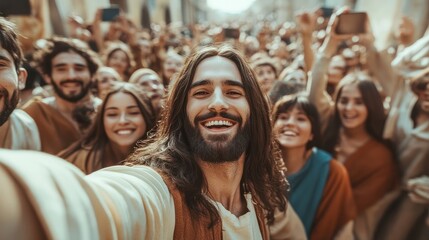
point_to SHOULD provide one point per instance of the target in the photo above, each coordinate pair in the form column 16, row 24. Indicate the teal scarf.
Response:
column 307, row 187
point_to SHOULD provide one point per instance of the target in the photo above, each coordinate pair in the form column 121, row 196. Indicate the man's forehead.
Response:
column 69, row 57
column 217, row 68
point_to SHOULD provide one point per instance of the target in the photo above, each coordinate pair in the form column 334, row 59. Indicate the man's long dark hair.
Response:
column 169, row 152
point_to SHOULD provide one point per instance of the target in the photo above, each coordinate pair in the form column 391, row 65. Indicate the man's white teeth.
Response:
column 218, row 123
column 124, row 132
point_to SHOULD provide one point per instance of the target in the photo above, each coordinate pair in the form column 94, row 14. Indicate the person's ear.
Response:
column 22, row 78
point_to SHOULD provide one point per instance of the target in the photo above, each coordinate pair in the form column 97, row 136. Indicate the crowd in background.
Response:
column 333, row 96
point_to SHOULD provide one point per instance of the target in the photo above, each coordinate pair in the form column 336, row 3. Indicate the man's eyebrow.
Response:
column 208, row 82
column 65, row 64
column 200, row 83
column 233, row 83
column 4, row 58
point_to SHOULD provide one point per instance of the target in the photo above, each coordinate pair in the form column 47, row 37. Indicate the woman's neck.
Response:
column 358, row 133
column 121, row 151
column 349, row 141
column 295, row 158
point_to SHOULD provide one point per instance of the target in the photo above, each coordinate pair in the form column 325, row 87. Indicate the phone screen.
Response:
column 351, row 23
column 233, row 33
column 109, row 14
column 327, row 12
column 16, row 7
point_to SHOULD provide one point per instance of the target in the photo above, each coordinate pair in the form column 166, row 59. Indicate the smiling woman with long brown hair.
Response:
column 124, row 118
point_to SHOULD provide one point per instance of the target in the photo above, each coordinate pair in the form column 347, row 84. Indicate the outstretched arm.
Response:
column 16, row 211
column 118, row 202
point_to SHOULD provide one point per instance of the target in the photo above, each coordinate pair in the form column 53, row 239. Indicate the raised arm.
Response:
column 306, row 24
column 318, row 81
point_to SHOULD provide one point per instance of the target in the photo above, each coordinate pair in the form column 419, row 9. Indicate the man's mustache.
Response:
column 72, row 81
column 209, row 115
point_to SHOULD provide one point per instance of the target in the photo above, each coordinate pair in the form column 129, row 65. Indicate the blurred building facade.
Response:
column 386, row 13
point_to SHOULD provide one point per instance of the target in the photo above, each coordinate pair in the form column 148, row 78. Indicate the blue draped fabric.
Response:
column 307, row 186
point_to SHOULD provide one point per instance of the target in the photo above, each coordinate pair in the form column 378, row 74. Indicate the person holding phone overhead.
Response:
column 353, row 123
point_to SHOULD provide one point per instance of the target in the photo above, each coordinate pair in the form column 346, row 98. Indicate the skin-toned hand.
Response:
column 367, row 39
column 332, row 39
column 97, row 17
column 419, row 189
column 306, row 22
column 329, row 46
column 405, row 31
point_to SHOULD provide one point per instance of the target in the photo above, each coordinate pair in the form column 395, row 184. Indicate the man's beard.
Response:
column 9, row 104
column 217, row 148
column 74, row 98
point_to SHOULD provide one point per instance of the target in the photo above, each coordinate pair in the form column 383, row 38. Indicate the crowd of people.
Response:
column 292, row 131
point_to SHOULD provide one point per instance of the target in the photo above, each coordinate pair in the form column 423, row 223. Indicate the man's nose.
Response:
column 71, row 73
column 218, row 101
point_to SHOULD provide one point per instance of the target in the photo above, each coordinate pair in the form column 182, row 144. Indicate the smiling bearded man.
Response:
column 69, row 66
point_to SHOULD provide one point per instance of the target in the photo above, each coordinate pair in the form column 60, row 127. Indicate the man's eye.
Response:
column 234, row 93
column 79, row 69
column 200, row 93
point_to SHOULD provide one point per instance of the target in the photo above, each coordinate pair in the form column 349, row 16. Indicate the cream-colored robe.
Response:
column 21, row 132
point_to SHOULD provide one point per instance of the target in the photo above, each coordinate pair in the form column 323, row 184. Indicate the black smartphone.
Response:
column 109, row 14
column 15, row 7
column 351, row 23
column 233, row 33
column 327, row 11
column 286, row 40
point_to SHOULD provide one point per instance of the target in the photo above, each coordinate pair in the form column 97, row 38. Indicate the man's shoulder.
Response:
column 21, row 117
column 37, row 105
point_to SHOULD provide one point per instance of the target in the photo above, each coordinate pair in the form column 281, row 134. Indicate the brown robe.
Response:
column 337, row 207
column 56, row 131
column 373, row 173
column 89, row 163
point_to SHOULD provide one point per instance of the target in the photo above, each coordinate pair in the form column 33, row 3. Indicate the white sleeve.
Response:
column 115, row 203
column 25, row 134
column 139, row 199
